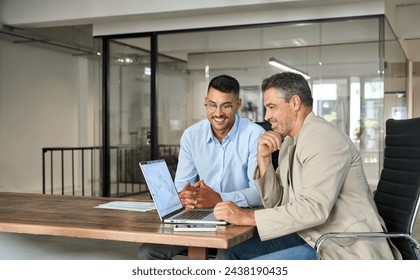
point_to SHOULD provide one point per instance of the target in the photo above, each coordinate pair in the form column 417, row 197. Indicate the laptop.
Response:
column 165, row 196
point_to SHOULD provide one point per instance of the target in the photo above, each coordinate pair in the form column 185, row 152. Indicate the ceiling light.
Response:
column 287, row 67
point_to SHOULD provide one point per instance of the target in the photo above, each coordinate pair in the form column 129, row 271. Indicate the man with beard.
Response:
column 216, row 161
column 319, row 186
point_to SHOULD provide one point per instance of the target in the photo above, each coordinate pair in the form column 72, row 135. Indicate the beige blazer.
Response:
column 320, row 187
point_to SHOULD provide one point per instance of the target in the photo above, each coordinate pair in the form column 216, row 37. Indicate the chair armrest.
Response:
column 330, row 235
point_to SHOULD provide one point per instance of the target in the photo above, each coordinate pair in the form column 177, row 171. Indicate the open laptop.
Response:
column 165, row 196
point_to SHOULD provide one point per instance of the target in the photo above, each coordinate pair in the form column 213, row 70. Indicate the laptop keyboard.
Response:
column 192, row 215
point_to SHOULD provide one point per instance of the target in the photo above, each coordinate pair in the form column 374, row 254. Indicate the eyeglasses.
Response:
column 225, row 107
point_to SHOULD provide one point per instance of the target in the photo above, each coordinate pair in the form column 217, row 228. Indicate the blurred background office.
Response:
column 89, row 88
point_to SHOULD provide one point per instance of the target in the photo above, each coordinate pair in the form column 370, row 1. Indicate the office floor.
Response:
column 38, row 247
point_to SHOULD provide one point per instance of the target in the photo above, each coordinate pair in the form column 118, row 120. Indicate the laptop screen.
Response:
column 161, row 186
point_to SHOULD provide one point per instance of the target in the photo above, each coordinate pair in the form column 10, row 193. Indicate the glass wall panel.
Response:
column 395, row 77
column 344, row 59
column 172, row 99
column 129, row 87
column 356, row 68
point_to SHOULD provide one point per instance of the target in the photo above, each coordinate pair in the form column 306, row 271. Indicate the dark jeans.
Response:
column 289, row 247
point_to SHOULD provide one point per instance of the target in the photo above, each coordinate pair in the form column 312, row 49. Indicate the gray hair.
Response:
column 290, row 84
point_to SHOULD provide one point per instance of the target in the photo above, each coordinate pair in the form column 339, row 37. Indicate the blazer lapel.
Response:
column 286, row 158
column 291, row 155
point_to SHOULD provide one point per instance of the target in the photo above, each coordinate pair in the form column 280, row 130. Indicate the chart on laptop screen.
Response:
column 161, row 187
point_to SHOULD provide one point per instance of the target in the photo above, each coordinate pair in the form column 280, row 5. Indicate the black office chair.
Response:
column 274, row 156
column 398, row 191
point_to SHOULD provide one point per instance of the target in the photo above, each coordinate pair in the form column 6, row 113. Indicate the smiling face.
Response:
column 279, row 112
column 221, row 109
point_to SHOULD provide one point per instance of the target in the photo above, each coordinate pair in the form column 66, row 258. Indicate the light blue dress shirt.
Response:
column 226, row 167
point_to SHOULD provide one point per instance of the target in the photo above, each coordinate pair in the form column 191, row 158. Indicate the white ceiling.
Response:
column 120, row 16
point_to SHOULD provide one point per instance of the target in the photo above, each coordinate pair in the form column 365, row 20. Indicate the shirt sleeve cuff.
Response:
column 249, row 197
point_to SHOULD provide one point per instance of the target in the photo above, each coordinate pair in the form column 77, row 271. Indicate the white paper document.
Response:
column 128, row 205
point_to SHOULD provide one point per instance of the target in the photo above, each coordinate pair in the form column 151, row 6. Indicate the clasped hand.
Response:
column 199, row 195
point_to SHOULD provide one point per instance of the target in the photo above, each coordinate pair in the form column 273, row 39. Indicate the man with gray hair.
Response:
column 319, row 186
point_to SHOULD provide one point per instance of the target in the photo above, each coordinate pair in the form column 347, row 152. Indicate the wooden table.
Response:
column 71, row 216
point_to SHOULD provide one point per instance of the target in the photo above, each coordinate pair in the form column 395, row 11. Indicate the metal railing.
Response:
column 62, row 152
column 76, row 170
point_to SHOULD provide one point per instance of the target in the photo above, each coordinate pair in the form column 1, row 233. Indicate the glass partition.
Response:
column 129, row 87
column 356, row 71
column 344, row 59
column 395, row 77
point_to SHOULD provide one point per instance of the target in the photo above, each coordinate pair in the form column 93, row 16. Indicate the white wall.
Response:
column 416, row 96
column 39, row 107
